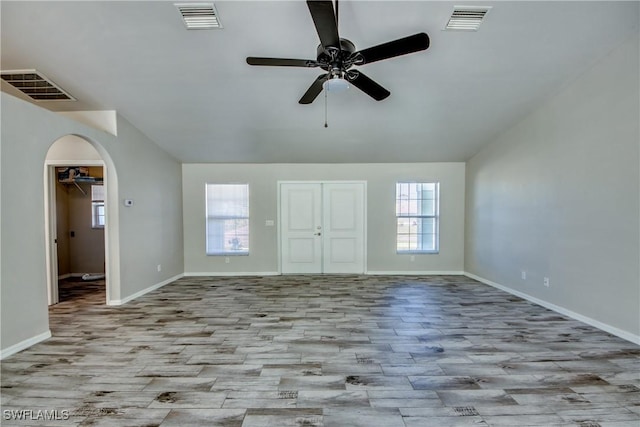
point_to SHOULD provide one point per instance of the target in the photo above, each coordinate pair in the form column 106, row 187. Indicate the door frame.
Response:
column 51, row 223
column 364, row 214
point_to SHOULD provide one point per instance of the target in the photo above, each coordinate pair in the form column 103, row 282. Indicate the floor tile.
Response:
column 357, row 417
column 204, row 418
column 332, row 350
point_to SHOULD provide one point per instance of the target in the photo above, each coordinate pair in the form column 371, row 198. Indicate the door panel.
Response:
column 301, row 215
column 301, row 211
column 343, row 208
column 342, row 250
column 302, row 250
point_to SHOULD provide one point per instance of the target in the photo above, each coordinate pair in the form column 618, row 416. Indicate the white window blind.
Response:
column 417, row 216
column 97, row 193
column 227, row 219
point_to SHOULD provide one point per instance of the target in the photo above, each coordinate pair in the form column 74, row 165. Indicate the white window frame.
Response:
column 209, row 245
column 419, row 216
column 97, row 202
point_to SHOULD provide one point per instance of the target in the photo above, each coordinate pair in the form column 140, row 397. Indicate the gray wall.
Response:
column 149, row 233
column 381, row 180
column 558, row 196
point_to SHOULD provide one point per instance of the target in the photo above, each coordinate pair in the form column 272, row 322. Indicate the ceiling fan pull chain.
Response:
column 325, row 109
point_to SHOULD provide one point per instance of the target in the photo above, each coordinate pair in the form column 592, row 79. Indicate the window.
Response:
column 417, row 215
column 97, row 206
column 227, row 219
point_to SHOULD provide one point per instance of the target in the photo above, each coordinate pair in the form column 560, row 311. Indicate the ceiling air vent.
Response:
column 199, row 16
column 467, row 18
column 35, row 85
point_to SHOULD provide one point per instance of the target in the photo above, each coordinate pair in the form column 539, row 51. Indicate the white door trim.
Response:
column 364, row 214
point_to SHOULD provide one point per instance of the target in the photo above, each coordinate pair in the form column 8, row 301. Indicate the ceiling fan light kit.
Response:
column 336, row 56
column 336, row 84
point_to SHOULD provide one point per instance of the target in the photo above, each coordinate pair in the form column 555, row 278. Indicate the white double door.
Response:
column 322, row 227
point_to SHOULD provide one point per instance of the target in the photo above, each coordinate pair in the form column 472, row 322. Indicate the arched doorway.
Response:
column 75, row 155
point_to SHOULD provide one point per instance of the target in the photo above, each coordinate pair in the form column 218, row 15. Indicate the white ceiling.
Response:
column 194, row 95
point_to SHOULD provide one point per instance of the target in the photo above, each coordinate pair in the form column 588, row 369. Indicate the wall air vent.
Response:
column 467, row 18
column 36, row 86
column 199, row 16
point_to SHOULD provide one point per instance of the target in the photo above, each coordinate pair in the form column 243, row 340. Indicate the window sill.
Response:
column 417, row 252
column 229, row 254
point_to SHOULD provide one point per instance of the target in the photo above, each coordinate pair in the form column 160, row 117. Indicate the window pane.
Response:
column 227, row 219
column 97, row 214
column 413, row 199
column 228, row 200
column 417, row 217
column 426, row 242
column 426, row 234
column 427, row 207
column 227, row 236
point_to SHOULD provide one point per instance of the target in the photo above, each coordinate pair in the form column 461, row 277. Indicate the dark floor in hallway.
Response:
column 322, row 351
column 82, row 292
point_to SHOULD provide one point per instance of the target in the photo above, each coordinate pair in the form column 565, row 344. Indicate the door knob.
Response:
column 318, row 234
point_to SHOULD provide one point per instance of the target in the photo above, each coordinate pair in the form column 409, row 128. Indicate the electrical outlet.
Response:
column 412, row 258
column 227, row 260
column 524, row 275
column 159, row 267
column 546, row 282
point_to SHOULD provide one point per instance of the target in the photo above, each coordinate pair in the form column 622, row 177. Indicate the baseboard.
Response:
column 144, row 291
column 230, row 273
column 275, row 273
column 577, row 316
column 415, row 273
column 24, row 344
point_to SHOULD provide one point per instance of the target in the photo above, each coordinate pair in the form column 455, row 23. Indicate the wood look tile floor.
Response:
column 321, row 351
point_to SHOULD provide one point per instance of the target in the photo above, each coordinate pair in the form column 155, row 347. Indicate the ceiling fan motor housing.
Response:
column 334, row 56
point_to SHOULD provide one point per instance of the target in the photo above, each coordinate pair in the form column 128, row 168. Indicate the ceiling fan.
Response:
column 336, row 55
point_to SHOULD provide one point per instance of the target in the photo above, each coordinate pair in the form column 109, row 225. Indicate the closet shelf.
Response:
column 81, row 180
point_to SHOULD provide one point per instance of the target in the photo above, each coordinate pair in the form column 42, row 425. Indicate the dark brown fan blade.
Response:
column 367, row 85
column 314, row 90
column 324, row 19
column 394, row 48
column 282, row 62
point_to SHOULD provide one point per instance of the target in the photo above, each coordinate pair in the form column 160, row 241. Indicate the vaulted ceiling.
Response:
column 194, row 95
